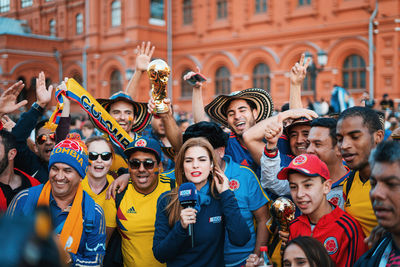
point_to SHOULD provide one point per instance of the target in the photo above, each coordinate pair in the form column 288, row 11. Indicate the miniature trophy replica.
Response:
column 158, row 71
column 283, row 210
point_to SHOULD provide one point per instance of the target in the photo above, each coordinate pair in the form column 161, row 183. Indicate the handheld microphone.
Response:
column 188, row 199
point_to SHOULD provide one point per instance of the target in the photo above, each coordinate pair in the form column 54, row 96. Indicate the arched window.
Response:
column 354, row 71
column 23, row 94
column 78, row 78
column 261, row 77
column 115, row 13
column 185, row 86
column 115, row 82
column 187, row 12
column 309, row 80
column 79, row 23
column 222, row 81
column 52, row 27
column 4, row 6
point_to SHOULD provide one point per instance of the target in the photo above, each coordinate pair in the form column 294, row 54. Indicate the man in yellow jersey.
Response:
column 358, row 131
column 136, row 213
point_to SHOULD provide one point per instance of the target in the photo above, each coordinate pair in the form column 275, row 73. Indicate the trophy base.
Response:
column 161, row 108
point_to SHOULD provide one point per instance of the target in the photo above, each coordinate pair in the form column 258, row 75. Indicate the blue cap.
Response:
column 145, row 144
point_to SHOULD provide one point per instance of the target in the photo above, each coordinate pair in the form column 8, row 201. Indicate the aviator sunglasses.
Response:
column 147, row 164
column 104, row 156
column 41, row 139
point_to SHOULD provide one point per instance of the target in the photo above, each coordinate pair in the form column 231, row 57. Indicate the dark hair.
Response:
column 8, row 141
column 329, row 123
column 251, row 104
column 285, row 107
column 182, row 121
column 386, row 151
column 39, row 125
column 369, row 116
column 313, row 249
column 209, row 130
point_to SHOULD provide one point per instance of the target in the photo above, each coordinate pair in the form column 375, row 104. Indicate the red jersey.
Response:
column 341, row 235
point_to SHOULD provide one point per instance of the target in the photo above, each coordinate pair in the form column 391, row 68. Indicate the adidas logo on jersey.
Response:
column 131, row 210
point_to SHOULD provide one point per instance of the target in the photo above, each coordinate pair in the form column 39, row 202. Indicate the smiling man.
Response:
column 77, row 220
column 132, row 116
column 239, row 111
column 385, row 199
column 44, row 138
column 137, row 208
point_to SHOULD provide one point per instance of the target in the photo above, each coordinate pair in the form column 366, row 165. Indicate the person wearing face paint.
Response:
column 76, row 219
column 341, row 234
column 385, row 199
column 44, row 137
column 215, row 213
column 137, row 209
column 358, row 131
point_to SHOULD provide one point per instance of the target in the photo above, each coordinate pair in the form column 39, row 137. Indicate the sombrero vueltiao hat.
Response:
column 142, row 117
column 259, row 97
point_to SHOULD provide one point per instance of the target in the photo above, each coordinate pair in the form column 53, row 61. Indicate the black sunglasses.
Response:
column 104, row 156
column 43, row 138
column 147, row 164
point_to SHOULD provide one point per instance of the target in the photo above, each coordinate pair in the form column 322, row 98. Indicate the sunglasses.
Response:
column 41, row 139
column 104, row 156
column 148, row 164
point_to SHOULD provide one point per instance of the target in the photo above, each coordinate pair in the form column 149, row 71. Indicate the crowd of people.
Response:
column 95, row 202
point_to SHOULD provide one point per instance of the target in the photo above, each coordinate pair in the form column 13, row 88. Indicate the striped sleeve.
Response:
column 18, row 202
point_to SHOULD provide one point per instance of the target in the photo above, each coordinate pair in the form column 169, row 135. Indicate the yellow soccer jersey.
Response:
column 135, row 218
column 100, row 199
column 358, row 204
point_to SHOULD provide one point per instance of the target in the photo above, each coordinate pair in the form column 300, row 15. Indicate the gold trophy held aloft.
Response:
column 159, row 71
column 283, row 210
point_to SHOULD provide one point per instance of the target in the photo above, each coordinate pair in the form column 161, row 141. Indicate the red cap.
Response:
column 307, row 164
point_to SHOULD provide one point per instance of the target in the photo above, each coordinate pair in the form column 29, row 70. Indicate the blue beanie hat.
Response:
column 72, row 152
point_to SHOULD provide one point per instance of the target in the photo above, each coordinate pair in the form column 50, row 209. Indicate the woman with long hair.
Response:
column 306, row 251
column 216, row 211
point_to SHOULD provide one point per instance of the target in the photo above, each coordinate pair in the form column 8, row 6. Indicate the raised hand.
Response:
column 9, row 97
column 151, row 105
column 143, row 56
column 190, row 74
column 299, row 71
column 221, row 181
column 273, row 131
column 43, row 96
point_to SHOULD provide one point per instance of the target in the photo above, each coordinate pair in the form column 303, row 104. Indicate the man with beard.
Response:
column 385, row 198
column 35, row 163
column 358, row 131
column 12, row 180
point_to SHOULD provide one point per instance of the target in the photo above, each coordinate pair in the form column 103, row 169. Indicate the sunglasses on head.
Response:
column 104, row 156
column 147, row 164
column 41, row 139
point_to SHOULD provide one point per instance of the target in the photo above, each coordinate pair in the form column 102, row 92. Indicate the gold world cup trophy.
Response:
column 283, row 210
column 158, row 71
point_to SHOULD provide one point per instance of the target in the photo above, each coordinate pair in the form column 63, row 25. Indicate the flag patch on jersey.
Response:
column 215, row 219
column 331, row 245
column 131, row 210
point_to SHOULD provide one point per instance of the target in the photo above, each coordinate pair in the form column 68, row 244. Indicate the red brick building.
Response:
column 236, row 43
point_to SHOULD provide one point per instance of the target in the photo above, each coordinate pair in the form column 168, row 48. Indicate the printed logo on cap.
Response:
column 141, row 143
column 331, row 245
column 234, row 185
column 300, row 160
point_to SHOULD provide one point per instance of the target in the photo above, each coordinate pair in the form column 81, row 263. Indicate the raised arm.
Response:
column 8, row 99
column 143, row 57
column 297, row 75
column 254, row 136
column 65, row 120
column 172, row 131
column 197, row 98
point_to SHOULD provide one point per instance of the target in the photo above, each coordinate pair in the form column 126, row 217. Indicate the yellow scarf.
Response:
column 71, row 233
